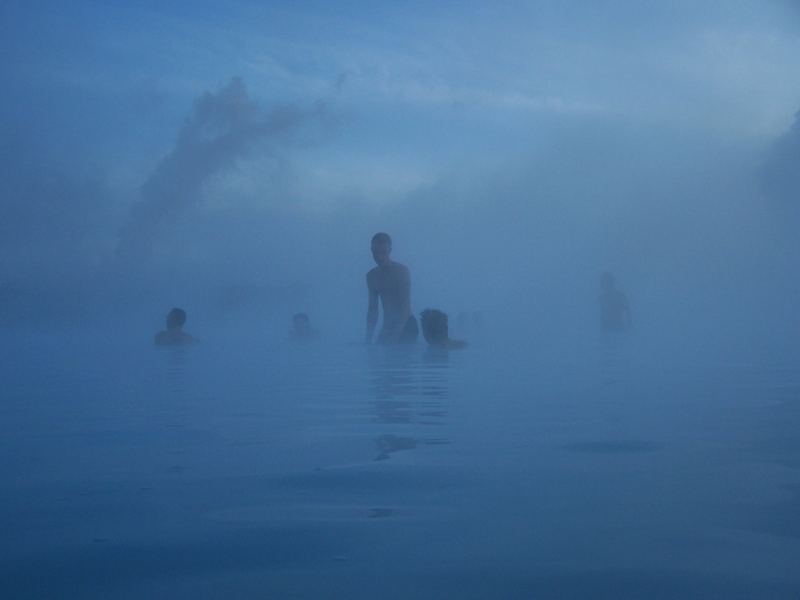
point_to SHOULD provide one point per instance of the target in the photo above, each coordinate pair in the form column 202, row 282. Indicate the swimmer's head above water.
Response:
column 301, row 327
column 381, row 249
column 174, row 334
column 435, row 329
column 175, row 319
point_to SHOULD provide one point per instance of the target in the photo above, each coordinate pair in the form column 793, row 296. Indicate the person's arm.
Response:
column 405, row 287
column 372, row 311
column 627, row 309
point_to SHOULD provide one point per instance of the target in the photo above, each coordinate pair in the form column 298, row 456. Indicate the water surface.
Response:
column 333, row 470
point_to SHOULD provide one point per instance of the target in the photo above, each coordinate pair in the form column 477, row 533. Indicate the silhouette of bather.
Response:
column 615, row 314
column 301, row 328
column 391, row 282
column 174, row 334
column 435, row 329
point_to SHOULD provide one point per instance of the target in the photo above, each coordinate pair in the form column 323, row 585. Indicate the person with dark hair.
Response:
column 615, row 313
column 174, row 334
column 391, row 283
column 435, row 330
column 301, row 328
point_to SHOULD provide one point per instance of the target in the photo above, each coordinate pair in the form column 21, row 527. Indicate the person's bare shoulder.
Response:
column 401, row 269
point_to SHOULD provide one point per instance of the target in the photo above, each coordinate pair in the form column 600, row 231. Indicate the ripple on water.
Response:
column 614, row 446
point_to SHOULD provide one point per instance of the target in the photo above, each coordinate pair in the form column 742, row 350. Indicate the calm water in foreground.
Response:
column 344, row 471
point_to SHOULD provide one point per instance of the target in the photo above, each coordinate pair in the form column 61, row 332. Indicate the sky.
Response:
column 159, row 154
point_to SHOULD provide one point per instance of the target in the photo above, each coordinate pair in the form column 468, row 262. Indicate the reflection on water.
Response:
column 175, row 368
column 408, row 393
column 175, row 413
column 317, row 472
column 614, row 446
column 388, row 444
column 614, row 359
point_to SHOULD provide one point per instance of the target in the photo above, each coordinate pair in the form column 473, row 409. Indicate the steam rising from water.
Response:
column 514, row 151
column 223, row 128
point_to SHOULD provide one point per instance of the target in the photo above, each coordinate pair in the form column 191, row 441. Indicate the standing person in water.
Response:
column 391, row 282
column 301, row 328
column 174, row 334
column 615, row 313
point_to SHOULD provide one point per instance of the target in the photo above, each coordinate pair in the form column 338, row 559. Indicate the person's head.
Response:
column 176, row 318
column 300, row 323
column 381, row 248
column 607, row 281
column 434, row 327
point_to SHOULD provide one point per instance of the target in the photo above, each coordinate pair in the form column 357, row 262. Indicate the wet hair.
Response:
column 381, row 238
column 176, row 318
column 434, row 326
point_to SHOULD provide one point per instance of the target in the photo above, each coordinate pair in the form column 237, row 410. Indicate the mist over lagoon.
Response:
column 236, row 164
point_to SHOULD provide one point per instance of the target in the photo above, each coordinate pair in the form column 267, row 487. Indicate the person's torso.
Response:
column 392, row 285
column 613, row 306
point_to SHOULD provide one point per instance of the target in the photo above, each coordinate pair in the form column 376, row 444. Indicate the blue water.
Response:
column 331, row 470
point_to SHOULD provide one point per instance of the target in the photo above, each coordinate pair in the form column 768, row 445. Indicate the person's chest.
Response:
column 388, row 280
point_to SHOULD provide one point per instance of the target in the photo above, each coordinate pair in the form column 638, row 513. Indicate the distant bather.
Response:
column 615, row 314
column 435, row 329
column 301, row 328
column 174, row 334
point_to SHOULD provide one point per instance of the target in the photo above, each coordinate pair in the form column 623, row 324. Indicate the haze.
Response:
column 156, row 156
column 235, row 161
